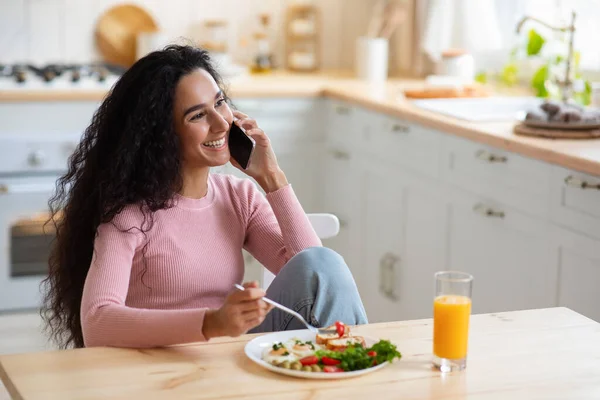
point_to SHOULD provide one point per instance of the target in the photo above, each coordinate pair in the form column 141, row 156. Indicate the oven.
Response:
column 36, row 138
column 29, row 169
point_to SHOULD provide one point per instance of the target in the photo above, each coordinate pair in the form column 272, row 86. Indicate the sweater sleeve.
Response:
column 105, row 319
column 277, row 228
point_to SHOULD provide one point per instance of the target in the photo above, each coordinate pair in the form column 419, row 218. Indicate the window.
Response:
column 558, row 13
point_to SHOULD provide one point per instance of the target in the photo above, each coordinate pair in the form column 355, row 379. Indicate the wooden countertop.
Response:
column 580, row 155
column 533, row 354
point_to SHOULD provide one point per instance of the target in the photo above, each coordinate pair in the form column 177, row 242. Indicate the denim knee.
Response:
column 319, row 259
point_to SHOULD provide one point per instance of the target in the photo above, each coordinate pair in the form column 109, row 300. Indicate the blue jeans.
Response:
column 317, row 284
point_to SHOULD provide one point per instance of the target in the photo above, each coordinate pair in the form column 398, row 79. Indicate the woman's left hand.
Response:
column 263, row 166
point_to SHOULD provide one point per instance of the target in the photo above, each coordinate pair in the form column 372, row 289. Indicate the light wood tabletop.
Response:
column 533, row 354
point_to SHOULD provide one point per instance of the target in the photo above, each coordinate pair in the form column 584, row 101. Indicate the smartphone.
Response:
column 241, row 146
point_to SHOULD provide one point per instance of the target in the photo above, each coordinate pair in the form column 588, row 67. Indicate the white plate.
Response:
column 255, row 348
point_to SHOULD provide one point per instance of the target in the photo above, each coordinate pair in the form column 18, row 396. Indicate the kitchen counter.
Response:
column 533, row 354
column 580, row 155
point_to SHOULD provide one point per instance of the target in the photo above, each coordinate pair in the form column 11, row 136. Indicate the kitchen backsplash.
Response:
column 43, row 31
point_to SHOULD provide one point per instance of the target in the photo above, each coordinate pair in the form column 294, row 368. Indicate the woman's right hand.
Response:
column 242, row 311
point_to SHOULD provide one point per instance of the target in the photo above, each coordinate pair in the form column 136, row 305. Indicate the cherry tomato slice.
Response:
column 330, row 361
column 340, row 327
column 332, row 368
column 372, row 354
column 310, row 360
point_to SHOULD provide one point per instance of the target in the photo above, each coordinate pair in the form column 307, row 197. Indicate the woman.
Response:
column 149, row 244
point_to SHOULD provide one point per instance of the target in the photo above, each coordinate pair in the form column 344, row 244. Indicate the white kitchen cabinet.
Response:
column 410, row 146
column 340, row 183
column 403, row 245
column 483, row 170
column 510, row 255
column 341, row 197
column 579, row 275
column 576, row 201
column 302, row 169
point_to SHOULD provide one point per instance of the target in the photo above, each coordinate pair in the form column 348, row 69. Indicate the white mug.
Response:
column 460, row 66
column 372, row 59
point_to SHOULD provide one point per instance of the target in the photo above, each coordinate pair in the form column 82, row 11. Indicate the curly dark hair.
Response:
column 129, row 154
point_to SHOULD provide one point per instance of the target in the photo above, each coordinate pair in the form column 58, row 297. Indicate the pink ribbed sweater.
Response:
column 193, row 256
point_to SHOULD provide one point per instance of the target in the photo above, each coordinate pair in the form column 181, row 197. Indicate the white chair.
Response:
column 325, row 226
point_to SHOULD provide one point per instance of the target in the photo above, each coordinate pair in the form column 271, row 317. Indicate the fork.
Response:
column 311, row 328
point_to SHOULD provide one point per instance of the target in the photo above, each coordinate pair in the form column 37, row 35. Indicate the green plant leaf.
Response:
column 508, row 75
column 584, row 98
column 481, row 77
column 576, row 59
column 538, row 82
column 535, row 43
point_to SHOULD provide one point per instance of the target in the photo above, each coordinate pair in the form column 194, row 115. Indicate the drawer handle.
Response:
column 488, row 211
column 342, row 110
column 339, row 154
column 3, row 189
column 580, row 183
column 489, row 157
column 387, row 272
column 343, row 223
column 397, row 128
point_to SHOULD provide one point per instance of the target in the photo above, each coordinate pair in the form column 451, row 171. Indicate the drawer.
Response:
column 44, row 118
column 576, row 201
column 345, row 125
column 284, row 106
column 409, row 145
column 287, row 133
column 520, row 182
column 35, row 154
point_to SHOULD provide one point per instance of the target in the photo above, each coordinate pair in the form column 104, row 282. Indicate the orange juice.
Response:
column 451, row 326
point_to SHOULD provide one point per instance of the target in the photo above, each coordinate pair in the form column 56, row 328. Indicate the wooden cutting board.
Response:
column 446, row 93
column 117, row 30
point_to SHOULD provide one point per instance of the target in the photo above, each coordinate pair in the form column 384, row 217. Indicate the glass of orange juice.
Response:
column 451, row 314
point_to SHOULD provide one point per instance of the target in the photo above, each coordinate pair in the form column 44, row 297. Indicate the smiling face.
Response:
column 202, row 120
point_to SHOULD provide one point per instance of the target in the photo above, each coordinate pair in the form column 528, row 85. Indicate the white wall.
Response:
column 63, row 30
column 42, row 31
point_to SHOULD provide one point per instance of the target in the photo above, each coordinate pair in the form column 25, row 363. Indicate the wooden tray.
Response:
column 524, row 130
column 446, row 93
column 117, row 30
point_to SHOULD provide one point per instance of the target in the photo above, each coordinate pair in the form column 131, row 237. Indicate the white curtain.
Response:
column 463, row 24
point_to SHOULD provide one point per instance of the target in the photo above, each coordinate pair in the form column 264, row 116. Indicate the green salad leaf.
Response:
column 356, row 357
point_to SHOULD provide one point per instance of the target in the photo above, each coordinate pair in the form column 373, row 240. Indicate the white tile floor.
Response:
column 21, row 333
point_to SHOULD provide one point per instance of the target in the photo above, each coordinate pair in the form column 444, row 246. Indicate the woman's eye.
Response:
column 197, row 116
column 220, row 102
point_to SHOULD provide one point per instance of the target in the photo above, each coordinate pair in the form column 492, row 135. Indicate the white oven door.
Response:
column 25, row 239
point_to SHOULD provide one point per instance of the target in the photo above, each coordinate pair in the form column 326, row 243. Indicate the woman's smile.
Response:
column 216, row 145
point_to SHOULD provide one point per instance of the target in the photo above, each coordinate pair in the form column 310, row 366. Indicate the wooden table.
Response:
column 535, row 354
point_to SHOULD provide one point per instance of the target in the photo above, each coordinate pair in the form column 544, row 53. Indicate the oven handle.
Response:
column 27, row 188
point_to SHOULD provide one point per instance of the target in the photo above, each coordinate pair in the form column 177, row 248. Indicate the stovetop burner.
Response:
column 26, row 75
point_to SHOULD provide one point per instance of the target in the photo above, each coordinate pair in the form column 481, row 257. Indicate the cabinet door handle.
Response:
column 343, row 223
column 339, row 154
column 489, row 157
column 3, row 189
column 580, row 183
column 387, row 275
column 342, row 110
column 488, row 211
column 397, row 128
